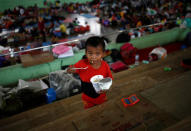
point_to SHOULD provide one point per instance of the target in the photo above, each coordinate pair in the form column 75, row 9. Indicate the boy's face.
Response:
column 94, row 54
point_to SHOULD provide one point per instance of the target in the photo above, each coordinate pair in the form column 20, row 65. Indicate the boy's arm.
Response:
column 77, row 65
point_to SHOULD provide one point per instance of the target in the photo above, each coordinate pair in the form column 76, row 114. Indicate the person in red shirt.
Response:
column 41, row 28
column 94, row 52
column 41, row 25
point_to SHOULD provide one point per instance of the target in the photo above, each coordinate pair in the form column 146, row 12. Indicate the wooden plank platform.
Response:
column 69, row 113
column 184, row 125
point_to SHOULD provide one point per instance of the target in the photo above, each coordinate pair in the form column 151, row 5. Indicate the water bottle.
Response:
column 137, row 59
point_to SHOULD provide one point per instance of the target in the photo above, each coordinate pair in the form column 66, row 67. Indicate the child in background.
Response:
column 94, row 51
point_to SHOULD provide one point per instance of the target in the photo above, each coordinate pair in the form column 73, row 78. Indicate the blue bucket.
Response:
column 51, row 95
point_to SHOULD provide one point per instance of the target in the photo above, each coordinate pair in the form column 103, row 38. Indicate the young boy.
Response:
column 94, row 51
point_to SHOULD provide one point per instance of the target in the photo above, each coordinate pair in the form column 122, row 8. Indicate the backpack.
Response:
column 118, row 66
column 128, row 52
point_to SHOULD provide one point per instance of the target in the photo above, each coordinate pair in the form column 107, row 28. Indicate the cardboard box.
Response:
column 35, row 59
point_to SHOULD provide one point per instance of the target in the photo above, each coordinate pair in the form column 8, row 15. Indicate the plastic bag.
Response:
column 64, row 84
column 60, row 49
column 160, row 52
column 33, row 85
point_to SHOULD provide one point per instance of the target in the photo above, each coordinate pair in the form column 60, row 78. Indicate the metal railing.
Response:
column 11, row 51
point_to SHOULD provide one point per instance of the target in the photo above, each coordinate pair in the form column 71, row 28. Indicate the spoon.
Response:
column 83, row 68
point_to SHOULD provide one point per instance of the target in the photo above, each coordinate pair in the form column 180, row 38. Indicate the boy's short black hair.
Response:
column 95, row 41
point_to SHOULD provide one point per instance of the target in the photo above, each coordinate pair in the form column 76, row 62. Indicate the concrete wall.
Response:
column 11, row 74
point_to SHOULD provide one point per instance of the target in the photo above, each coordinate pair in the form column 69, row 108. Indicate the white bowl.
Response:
column 99, row 83
column 105, row 83
column 95, row 82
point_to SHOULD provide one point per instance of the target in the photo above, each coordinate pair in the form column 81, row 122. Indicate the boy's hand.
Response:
column 71, row 70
